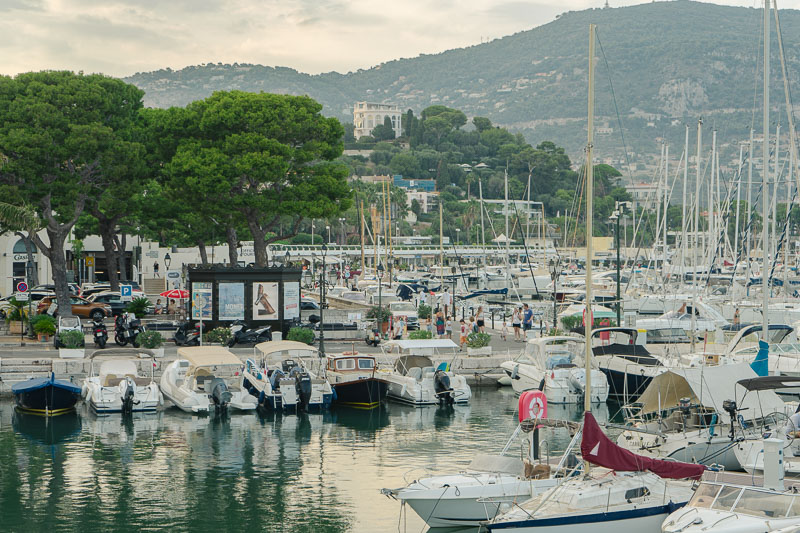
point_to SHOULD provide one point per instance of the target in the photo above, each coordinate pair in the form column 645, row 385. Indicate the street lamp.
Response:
column 615, row 216
column 555, row 272
column 341, row 222
column 322, row 303
column 287, row 259
column 380, row 301
column 329, row 232
column 458, row 236
column 167, row 260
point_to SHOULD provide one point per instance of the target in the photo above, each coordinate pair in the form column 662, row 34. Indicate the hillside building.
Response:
column 367, row 115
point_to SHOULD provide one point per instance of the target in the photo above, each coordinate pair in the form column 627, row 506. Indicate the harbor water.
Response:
column 244, row 472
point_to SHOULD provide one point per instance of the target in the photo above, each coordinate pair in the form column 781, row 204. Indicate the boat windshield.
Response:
column 726, row 498
column 766, row 504
column 366, row 364
column 704, row 495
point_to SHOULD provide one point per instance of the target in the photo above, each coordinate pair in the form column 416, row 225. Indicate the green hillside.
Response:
column 670, row 62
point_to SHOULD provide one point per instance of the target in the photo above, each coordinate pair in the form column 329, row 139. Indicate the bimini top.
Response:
column 40, row 383
column 770, row 383
column 709, row 386
column 208, row 356
column 270, row 347
column 416, row 344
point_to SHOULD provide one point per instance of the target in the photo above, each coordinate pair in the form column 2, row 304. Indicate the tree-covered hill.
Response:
column 670, row 62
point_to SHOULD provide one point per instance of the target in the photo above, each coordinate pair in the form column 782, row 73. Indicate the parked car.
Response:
column 74, row 289
column 407, row 310
column 35, row 297
column 308, row 305
column 111, row 298
column 80, row 307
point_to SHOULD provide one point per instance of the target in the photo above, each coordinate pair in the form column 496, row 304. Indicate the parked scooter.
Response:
column 241, row 334
column 373, row 335
column 126, row 330
column 185, row 335
column 99, row 332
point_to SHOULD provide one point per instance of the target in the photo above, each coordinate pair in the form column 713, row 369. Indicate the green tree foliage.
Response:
column 267, row 157
column 67, row 138
column 383, row 132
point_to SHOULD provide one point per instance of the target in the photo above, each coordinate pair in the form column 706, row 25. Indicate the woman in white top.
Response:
column 479, row 320
column 516, row 322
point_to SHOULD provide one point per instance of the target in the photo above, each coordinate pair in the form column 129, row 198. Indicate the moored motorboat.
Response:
column 355, row 380
column 118, row 386
column 415, row 381
column 46, row 395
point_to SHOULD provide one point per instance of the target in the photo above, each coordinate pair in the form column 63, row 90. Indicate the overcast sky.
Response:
column 121, row 37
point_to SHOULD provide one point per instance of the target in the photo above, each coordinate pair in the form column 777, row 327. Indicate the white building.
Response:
column 427, row 200
column 367, row 115
column 645, row 195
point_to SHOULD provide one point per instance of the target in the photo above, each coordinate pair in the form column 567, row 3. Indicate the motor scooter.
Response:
column 185, row 335
column 99, row 332
column 241, row 334
column 373, row 334
column 126, row 330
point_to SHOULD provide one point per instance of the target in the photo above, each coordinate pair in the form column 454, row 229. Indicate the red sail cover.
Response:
column 602, row 451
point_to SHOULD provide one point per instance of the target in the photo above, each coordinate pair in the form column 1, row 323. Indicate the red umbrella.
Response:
column 179, row 294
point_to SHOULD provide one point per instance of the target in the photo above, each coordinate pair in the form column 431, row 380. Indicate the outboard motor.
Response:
column 442, row 388
column 303, row 389
column 128, row 387
column 220, row 393
column 729, row 406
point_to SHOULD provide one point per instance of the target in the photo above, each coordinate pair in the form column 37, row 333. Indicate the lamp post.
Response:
column 615, row 216
column 555, row 272
column 458, row 236
column 341, row 223
column 167, row 261
column 329, row 232
column 287, row 259
column 380, row 301
column 322, row 303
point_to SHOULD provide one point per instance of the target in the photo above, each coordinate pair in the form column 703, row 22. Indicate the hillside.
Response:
column 670, row 62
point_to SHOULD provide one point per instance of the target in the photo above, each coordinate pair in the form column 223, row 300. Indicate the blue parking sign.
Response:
column 126, row 292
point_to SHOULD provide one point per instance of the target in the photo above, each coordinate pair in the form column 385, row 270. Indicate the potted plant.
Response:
column 420, row 334
column 381, row 314
column 73, row 344
column 139, row 306
column 43, row 326
column 15, row 316
column 152, row 340
column 478, row 344
column 219, row 336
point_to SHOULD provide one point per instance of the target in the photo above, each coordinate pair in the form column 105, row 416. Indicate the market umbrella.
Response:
column 178, row 294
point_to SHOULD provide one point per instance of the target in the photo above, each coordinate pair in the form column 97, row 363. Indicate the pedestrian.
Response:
column 448, row 328
column 398, row 328
column 473, row 327
column 516, row 321
column 155, row 268
column 462, row 339
column 479, row 319
column 447, row 301
column 527, row 319
column 158, row 308
column 440, row 324
column 423, row 296
column 172, row 308
column 504, row 331
column 429, row 325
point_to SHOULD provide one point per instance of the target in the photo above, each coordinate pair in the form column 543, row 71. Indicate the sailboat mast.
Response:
column 587, row 397
column 738, row 201
column 773, row 242
column 666, row 207
column 697, row 209
column 765, row 175
column 749, row 211
column 361, row 218
column 508, row 251
column 683, row 199
column 483, row 235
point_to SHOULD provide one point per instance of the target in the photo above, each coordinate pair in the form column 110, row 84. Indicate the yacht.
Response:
column 287, row 383
column 556, row 363
column 205, row 378
column 622, row 356
column 415, row 381
column 118, row 386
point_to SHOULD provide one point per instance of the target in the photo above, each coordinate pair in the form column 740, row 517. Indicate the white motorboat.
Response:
column 731, row 503
column 694, row 405
column 490, row 485
column 623, row 357
column 706, row 320
column 280, row 382
column 630, row 492
column 556, row 364
column 118, row 387
column 415, row 381
column 204, row 378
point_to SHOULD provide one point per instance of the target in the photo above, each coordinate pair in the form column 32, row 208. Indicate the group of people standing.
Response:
column 521, row 322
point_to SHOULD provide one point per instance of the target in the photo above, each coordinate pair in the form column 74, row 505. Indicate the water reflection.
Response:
column 253, row 471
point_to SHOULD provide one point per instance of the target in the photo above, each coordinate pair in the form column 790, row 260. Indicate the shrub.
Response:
column 478, row 340
column 18, row 310
column 44, row 327
column 71, row 339
column 424, row 311
column 420, row 334
column 139, row 306
column 571, row 322
column 221, row 335
column 150, row 339
column 304, row 335
column 379, row 313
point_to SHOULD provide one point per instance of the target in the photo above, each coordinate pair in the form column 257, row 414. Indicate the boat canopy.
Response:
column 708, row 386
column 421, row 344
column 271, row 347
column 770, row 383
column 406, row 362
column 122, row 352
column 119, row 368
column 208, row 356
column 40, row 383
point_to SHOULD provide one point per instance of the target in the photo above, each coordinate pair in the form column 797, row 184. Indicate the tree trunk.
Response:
column 30, row 266
column 123, row 267
column 107, row 235
column 58, row 261
column 259, row 244
column 203, row 252
column 233, row 241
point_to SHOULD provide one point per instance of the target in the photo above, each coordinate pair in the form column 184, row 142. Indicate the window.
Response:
column 727, row 497
column 366, row 364
column 345, row 364
column 763, row 504
column 704, row 495
column 640, row 492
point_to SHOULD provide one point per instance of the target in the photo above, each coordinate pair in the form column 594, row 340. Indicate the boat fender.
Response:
column 261, row 397
column 84, row 391
column 713, row 425
column 333, row 394
column 514, row 372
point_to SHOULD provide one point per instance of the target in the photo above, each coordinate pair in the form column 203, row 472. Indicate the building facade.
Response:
column 367, row 115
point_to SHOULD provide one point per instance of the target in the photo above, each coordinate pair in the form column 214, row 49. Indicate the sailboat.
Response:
column 631, row 492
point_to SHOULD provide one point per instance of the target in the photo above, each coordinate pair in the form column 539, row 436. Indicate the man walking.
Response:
column 527, row 319
column 447, row 302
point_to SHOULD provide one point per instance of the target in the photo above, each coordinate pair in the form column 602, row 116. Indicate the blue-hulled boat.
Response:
column 46, row 396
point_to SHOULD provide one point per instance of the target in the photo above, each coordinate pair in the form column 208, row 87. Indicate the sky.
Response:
column 122, row 37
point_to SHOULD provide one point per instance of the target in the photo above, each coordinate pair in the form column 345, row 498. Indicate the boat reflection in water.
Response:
column 46, row 430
